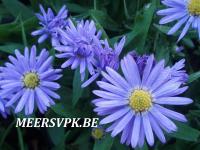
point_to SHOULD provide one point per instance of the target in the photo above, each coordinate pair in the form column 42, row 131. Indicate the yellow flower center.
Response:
column 140, row 100
column 31, row 80
column 97, row 133
column 194, row 7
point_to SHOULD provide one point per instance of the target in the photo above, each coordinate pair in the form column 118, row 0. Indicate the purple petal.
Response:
column 118, row 114
column 174, row 100
column 136, row 131
column 157, row 130
column 108, row 95
column 164, row 122
column 171, row 114
column 148, row 129
column 22, row 101
column 123, row 122
column 118, row 78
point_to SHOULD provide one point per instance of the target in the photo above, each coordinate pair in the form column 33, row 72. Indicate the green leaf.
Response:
column 16, row 8
column 143, row 23
column 193, row 77
column 83, row 140
column 10, row 47
column 77, row 90
column 5, row 36
column 3, row 11
column 61, row 145
column 140, row 29
column 118, row 146
column 104, row 144
column 76, row 8
column 56, row 134
column 163, row 53
column 188, row 42
column 7, row 31
column 185, row 132
column 104, row 20
column 129, row 37
column 64, row 111
column 98, row 25
column 65, row 108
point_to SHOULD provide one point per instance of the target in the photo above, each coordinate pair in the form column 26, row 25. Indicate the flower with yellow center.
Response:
column 194, row 7
column 140, row 100
column 31, row 80
column 134, row 104
column 97, row 133
column 185, row 14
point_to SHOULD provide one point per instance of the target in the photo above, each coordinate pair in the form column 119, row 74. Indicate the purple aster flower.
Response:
column 31, row 81
column 105, row 56
column 140, row 60
column 134, row 105
column 2, row 108
column 184, row 12
column 77, row 46
column 4, row 111
column 50, row 24
column 178, row 72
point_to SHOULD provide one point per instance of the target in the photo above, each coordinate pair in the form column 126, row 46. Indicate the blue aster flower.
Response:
column 135, row 104
column 2, row 108
column 185, row 12
column 178, row 72
column 4, row 111
column 140, row 60
column 105, row 56
column 50, row 24
column 77, row 46
column 31, row 80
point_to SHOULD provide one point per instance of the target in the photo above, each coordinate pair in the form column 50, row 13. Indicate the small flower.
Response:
column 135, row 104
column 140, row 61
column 2, row 108
column 31, row 81
column 50, row 24
column 77, row 46
column 105, row 56
column 184, row 12
column 178, row 72
column 97, row 133
column 4, row 111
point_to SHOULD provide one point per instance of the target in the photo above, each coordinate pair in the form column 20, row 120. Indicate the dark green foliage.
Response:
column 134, row 18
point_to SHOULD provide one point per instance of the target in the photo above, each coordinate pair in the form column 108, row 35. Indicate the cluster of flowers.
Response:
column 132, row 102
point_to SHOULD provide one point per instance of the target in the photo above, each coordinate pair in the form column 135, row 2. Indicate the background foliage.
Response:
column 134, row 18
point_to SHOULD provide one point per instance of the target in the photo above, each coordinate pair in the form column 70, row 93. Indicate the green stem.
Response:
column 155, row 41
column 23, row 33
column 126, row 10
column 95, row 4
column 6, row 133
column 138, row 5
column 20, row 137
